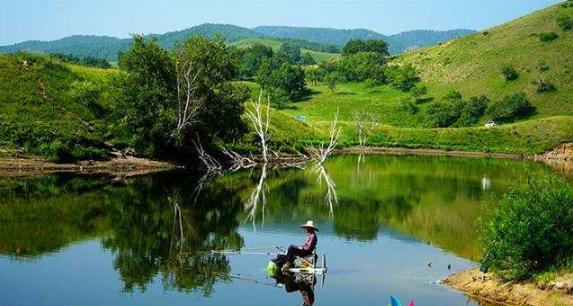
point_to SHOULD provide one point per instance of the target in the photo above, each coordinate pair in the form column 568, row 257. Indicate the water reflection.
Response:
column 166, row 225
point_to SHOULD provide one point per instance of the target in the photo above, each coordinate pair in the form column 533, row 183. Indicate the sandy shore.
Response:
column 487, row 287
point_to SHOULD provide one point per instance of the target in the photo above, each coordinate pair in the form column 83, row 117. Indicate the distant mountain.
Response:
column 398, row 43
column 317, row 39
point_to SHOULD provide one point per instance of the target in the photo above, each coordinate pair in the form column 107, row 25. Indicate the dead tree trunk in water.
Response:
column 261, row 123
column 320, row 154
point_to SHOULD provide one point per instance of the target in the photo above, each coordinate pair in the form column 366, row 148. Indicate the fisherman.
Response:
column 306, row 249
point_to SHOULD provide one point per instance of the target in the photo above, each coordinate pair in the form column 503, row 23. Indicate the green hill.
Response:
column 398, row 43
column 472, row 65
column 319, row 40
column 54, row 110
column 276, row 44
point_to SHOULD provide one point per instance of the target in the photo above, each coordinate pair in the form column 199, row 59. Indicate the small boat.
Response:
column 303, row 265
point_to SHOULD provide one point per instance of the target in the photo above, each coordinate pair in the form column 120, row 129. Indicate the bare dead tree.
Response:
column 366, row 123
column 210, row 163
column 261, row 122
column 258, row 196
column 188, row 102
column 330, row 196
column 321, row 153
column 239, row 161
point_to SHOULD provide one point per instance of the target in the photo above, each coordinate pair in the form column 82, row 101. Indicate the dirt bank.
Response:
column 562, row 153
column 489, row 287
column 128, row 166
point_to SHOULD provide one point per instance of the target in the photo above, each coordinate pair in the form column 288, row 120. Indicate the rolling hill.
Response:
column 472, row 65
column 315, row 39
column 398, row 43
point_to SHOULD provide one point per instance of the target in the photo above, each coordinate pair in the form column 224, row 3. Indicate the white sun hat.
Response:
column 309, row 224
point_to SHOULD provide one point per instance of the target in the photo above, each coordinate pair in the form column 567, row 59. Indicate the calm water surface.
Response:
column 95, row 240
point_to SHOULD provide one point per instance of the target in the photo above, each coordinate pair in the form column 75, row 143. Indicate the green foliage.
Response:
column 509, row 73
column 354, row 46
column 148, row 93
column 250, row 59
column 403, row 78
column 409, row 106
column 549, row 36
column 307, row 59
column 315, row 74
column 542, row 86
column 89, row 61
column 454, row 111
column 331, row 79
column 288, row 78
column 542, row 66
column 531, row 230
column 362, row 66
column 291, row 52
column 418, row 92
column 565, row 23
column 510, row 107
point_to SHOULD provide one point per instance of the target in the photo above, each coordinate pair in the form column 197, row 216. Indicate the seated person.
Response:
column 306, row 249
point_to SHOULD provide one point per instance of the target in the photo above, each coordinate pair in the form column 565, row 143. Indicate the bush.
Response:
column 565, row 23
column 550, row 36
column 402, row 78
column 542, row 66
column 531, row 229
column 509, row 73
column 510, row 107
column 543, row 86
column 409, row 106
column 472, row 110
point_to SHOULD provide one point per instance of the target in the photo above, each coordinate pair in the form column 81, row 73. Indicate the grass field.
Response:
column 472, row 64
column 320, row 57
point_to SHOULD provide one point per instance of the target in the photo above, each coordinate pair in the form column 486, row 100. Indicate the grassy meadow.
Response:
column 319, row 57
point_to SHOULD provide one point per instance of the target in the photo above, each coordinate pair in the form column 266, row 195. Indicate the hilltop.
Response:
column 398, row 43
column 315, row 39
column 473, row 64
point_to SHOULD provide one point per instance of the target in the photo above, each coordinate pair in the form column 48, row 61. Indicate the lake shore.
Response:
column 486, row 286
column 129, row 166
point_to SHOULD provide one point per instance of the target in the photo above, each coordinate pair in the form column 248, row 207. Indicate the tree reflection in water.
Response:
column 330, row 196
column 258, row 195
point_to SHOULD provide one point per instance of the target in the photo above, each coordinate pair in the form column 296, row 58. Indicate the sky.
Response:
column 22, row 20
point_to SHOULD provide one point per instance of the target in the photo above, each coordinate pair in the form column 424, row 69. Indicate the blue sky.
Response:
column 50, row 19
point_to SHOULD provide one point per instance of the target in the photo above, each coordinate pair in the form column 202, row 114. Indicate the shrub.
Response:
column 418, row 92
column 543, row 86
column 565, row 23
column 531, row 229
column 402, row 78
column 509, row 107
column 472, row 110
column 542, row 66
column 442, row 114
column 409, row 106
column 549, row 36
column 509, row 73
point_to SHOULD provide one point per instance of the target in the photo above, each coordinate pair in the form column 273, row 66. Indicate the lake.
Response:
column 389, row 225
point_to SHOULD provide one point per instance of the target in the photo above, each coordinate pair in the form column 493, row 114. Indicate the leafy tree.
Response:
column 315, row 74
column 442, row 114
column 291, row 52
column 402, row 78
column 354, row 46
column 418, row 92
column 362, row 66
column 307, row 59
column 472, row 111
column 250, row 59
column 509, row 73
column 331, row 80
column 148, row 89
column 510, row 107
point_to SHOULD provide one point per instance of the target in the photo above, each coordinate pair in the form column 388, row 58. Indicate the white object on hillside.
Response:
column 490, row 124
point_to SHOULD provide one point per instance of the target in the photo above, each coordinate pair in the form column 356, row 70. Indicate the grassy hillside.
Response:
column 52, row 109
column 472, row 65
column 320, row 57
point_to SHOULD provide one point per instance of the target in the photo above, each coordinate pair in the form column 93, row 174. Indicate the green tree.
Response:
column 362, row 66
column 354, row 46
column 148, row 89
column 307, row 59
column 509, row 73
column 510, row 107
column 331, row 80
column 402, row 78
column 291, row 52
column 418, row 92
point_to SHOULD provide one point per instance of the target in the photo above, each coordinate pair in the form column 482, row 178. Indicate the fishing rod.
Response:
column 245, row 251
